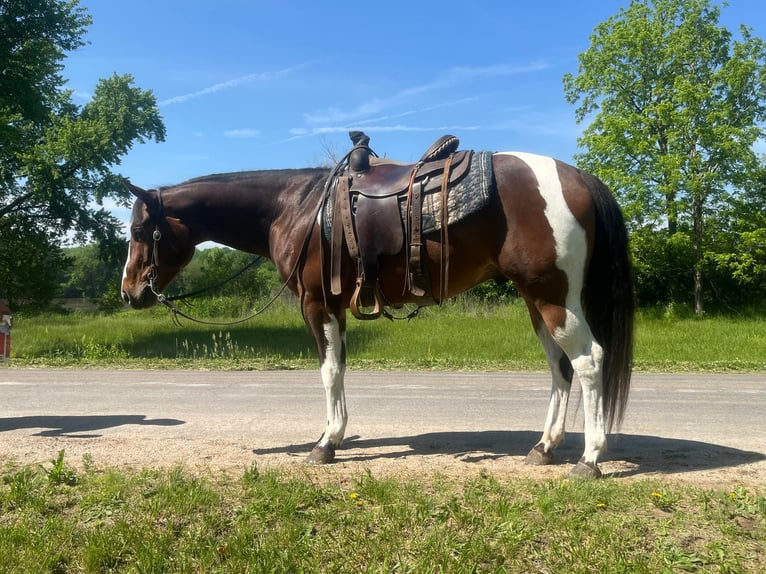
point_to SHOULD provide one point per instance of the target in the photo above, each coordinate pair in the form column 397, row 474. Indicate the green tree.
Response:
column 57, row 158
column 222, row 268
column 676, row 104
column 87, row 275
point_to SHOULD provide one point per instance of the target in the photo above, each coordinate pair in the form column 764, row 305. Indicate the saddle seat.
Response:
column 377, row 206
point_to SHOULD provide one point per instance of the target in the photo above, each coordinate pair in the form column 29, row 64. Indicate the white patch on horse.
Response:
column 333, row 370
column 125, row 269
column 555, row 422
column 569, row 236
column 574, row 337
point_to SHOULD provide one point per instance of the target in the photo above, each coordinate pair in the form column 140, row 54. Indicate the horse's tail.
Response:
column 609, row 299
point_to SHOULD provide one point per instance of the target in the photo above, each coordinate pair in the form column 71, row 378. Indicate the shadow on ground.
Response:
column 646, row 454
column 79, row 426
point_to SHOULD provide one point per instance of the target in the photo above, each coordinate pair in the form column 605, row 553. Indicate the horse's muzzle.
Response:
column 143, row 299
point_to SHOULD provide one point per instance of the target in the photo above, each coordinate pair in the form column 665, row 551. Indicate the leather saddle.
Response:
column 377, row 207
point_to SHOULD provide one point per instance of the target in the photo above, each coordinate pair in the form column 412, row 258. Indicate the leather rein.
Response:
column 169, row 301
column 176, row 312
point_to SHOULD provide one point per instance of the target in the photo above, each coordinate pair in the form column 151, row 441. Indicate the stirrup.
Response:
column 366, row 295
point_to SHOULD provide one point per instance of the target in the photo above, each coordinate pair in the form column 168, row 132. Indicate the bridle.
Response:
column 176, row 312
column 168, row 301
column 155, row 263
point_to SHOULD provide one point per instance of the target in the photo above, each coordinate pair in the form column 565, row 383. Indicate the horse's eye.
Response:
column 138, row 234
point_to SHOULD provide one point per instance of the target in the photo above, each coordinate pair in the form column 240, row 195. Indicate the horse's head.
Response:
column 159, row 248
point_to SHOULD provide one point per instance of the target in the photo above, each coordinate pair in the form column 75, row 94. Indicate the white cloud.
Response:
column 230, row 84
column 242, row 133
column 418, row 111
column 300, row 133
column 453, row 76
column 84, row 96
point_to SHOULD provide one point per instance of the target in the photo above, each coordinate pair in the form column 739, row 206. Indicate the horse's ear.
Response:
column 134, row 189
column 149, row 197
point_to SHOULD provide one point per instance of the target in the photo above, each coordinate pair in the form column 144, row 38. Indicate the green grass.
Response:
column 460, row 335
column 310, row 521
column 57, row 519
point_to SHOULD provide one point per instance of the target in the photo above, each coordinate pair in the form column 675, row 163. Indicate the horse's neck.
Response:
column 240, row 213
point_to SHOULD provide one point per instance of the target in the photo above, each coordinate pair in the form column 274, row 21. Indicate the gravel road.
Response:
column 706, row 429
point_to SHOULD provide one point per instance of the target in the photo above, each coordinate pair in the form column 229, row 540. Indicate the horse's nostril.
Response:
column 125, row 297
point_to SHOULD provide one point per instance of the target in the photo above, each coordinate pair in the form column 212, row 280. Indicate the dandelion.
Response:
column 657, row 495
column 601, row 505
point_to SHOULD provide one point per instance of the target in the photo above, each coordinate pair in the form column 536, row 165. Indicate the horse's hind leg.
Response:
column 569, row 331
column 561, row 371
column 330, row 334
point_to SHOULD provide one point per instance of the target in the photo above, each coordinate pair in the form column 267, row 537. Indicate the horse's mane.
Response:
column 239, row 176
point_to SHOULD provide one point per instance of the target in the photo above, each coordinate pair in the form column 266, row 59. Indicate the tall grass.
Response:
column 462, row 334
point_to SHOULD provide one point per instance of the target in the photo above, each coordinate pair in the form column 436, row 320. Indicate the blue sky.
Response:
column 274, row 84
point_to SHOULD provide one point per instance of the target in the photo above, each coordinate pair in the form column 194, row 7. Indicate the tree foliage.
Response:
column 676, row 104
column 57, row 158
column 222, row 268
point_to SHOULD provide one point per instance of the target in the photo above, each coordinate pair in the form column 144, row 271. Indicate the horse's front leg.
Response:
column 329, row 332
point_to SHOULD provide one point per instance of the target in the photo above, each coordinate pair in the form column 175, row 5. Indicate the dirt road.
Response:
column 707, row 429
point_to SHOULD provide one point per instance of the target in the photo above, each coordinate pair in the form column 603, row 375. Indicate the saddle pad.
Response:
column 470, row 194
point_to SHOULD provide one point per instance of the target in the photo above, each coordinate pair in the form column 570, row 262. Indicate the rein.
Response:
column 256, row 262
column 178, row 312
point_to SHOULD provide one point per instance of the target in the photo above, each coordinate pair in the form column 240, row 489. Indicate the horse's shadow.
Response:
column 644, row 454
column 79, row 426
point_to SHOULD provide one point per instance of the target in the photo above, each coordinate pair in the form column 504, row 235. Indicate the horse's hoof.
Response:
column 538, row 457
column 585, row 471
column 322, row 454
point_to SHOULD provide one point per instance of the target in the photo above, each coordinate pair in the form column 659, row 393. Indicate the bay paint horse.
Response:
column 556, row 232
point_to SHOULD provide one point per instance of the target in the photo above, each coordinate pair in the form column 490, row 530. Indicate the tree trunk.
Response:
column 697, row 215
column 672, row 213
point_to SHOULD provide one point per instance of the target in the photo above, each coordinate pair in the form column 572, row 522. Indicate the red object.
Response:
column 6, row 320
column 5, row 344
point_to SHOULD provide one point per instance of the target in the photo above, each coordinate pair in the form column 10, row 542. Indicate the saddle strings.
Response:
column 444, row 240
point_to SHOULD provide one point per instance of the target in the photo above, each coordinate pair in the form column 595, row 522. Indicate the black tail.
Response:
column 609, row 299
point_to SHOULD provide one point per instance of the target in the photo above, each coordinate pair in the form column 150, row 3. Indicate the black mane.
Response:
column 237, row 176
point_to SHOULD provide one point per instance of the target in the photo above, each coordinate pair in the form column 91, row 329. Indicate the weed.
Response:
column 251, row 475
column 60, row 473
column 664, row 500
column 747, row 505
column 25, row 488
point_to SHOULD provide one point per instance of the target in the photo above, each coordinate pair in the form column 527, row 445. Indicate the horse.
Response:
column 556, row 232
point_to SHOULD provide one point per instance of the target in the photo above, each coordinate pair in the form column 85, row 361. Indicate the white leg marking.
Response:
column 575, row 337
column 588, row 368
column 333, row 370
column 555, row 423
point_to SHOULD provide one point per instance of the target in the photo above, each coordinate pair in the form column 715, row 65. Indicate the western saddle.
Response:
column 377, row 206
